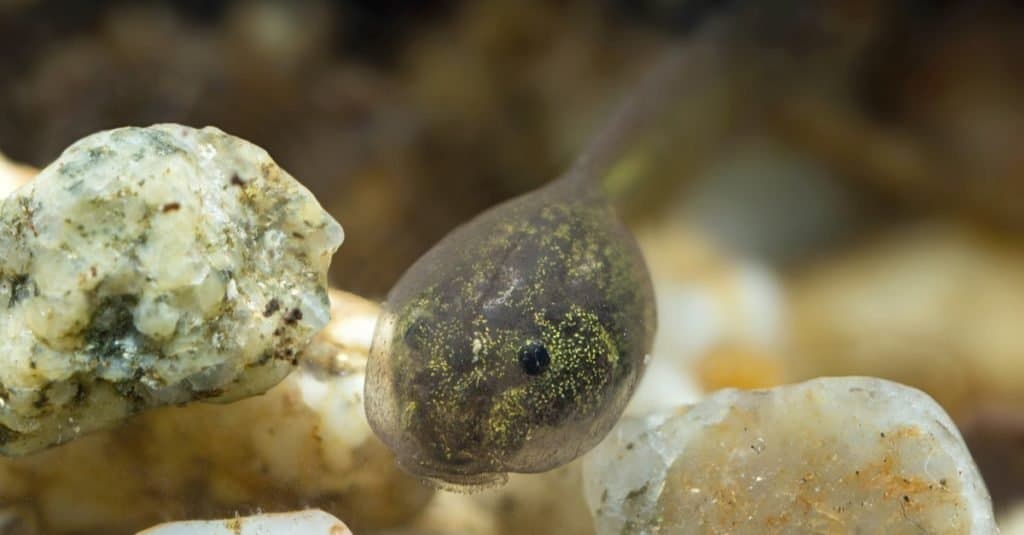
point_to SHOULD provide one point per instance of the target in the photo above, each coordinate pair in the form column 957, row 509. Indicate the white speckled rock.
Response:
column 832, row 455
column 153, row 266
column 310, row 522
column 303, row 443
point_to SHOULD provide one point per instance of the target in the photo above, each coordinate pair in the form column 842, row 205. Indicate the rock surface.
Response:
column 832, row 455
column 304, row 443
column 153, row 266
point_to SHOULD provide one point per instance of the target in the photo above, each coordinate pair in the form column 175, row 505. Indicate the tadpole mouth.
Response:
column 460, row 471
column 454, row 477
column 468, row 484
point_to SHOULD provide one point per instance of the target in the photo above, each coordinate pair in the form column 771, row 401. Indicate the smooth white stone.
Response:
column 831, row 455
column 312, row 522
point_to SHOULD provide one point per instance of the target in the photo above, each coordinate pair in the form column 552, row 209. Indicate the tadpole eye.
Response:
column 534, row 358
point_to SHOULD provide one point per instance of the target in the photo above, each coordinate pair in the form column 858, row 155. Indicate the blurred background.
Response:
column 405, row 118
column 856, row 210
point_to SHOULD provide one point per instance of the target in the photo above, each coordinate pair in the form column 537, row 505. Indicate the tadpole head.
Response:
column 514, row 344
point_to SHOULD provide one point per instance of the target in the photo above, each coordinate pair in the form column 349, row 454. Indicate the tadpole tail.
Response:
column 638, row 140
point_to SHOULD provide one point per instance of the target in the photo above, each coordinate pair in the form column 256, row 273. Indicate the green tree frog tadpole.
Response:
column 515, row 343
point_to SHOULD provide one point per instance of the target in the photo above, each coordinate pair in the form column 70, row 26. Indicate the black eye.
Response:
column 534, row 358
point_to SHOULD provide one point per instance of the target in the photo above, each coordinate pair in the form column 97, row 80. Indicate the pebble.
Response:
column 312, row 522
column 303, row 443
column 831, row 455
column 148, row 267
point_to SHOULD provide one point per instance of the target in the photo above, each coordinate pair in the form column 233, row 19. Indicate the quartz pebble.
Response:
column 312, row 522
column 153, row 266
column 831, row 455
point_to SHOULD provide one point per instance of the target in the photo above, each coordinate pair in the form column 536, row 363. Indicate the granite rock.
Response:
column 153, row 266
column 303, row 443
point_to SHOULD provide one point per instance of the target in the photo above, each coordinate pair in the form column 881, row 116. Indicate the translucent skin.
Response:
column 515, row 343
